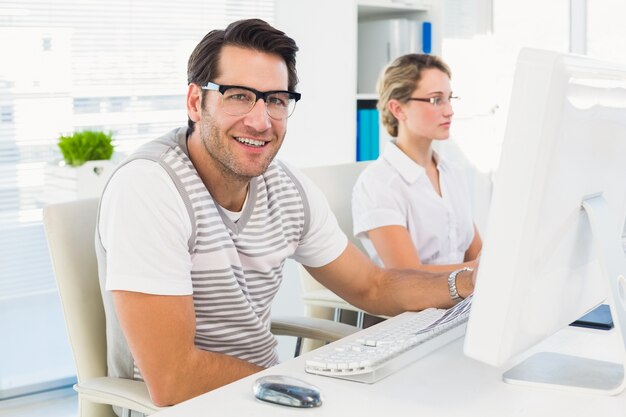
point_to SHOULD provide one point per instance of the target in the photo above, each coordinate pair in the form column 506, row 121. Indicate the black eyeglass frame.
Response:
column 433, row 100
column 211, row 86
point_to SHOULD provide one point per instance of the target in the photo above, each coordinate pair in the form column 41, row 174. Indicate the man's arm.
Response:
column 355, row 278
column 160, row 331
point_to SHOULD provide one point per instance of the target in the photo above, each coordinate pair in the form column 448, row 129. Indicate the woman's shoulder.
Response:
column 379, row 177
column 377, row 170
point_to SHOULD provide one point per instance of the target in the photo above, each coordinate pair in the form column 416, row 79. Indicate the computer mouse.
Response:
column 286, row 390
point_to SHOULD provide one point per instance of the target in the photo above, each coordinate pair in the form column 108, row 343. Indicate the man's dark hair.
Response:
column 256, row 34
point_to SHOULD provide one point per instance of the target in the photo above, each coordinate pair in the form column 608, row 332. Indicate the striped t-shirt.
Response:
column 160, row 232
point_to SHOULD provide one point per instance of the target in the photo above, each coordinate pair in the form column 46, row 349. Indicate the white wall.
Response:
column 322, row 129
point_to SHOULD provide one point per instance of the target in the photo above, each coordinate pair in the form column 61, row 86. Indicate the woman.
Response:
column 411, row 208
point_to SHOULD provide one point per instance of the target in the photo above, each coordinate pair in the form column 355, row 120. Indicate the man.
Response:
column 194, row 229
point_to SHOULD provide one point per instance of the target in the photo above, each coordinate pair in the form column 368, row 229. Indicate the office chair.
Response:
column 70, row 231
column 336, row 182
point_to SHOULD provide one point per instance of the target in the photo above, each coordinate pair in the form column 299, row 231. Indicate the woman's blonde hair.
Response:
column 400, row 79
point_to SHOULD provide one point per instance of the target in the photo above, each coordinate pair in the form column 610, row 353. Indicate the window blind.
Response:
column 116, row 65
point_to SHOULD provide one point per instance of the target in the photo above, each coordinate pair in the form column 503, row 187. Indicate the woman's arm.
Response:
column 472, row 253
column 396, row 250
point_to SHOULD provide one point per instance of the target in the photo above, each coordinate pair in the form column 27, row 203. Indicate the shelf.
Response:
column 377, row 8
column 301, row 20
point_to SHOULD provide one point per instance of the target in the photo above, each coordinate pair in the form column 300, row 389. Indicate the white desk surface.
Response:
column 445, row 383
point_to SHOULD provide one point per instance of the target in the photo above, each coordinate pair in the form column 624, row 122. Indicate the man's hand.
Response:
column 356, row 279
column 475, row 268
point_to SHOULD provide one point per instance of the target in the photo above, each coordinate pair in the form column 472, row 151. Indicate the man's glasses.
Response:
column 238, row 100
column 436, row 101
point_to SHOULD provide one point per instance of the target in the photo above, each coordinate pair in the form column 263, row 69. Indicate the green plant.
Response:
column 87, row 145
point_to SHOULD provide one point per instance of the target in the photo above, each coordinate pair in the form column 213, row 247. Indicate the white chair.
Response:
column 70, row 230
column 336, row 182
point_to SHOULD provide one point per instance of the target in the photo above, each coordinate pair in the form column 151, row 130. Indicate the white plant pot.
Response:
column 64, row 182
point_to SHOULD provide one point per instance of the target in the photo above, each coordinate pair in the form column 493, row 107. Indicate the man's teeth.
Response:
column 251, row 142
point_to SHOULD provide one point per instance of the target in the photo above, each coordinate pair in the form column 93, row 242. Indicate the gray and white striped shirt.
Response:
column 233, row 269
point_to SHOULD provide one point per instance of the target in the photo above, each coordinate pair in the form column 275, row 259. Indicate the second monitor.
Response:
column 553, row 249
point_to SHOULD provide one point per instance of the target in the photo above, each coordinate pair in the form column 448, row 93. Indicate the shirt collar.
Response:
column 408, row 169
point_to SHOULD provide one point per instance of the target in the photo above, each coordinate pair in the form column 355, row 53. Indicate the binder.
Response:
column 374, row 143
column 367, row 144
column 427, row 37
column 359, row 134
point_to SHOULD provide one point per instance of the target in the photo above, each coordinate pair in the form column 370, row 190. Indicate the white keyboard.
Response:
column 381, row 350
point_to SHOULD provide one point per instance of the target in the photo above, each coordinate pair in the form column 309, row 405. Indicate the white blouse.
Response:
column 395, row 190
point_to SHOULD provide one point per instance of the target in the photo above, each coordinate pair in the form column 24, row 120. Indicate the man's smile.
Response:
column 251, row 142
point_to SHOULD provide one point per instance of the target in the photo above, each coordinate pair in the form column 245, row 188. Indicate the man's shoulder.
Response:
column 283, row 172
column 283, row 180
column 159, row 146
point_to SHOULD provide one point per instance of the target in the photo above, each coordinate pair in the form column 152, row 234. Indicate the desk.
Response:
column 445, row 383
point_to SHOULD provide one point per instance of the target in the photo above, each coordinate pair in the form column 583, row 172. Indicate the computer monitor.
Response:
column 553, row 249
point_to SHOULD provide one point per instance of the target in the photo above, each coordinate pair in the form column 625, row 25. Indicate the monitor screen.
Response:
column 545, row 260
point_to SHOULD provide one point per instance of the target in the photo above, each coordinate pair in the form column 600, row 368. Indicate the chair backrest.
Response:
column 70, row 230
column 336, row 182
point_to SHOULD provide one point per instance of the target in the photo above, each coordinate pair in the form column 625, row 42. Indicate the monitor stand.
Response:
column 557, row 370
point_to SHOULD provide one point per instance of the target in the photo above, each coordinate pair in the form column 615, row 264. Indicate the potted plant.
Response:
column 85, row 167
column 88, row 145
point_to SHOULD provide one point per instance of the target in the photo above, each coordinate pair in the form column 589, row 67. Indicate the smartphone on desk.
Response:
column 598, row 318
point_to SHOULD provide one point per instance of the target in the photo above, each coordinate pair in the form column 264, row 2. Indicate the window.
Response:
column 6, row 114
column 606, row 30
column 118, row 65
column 484, row 80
